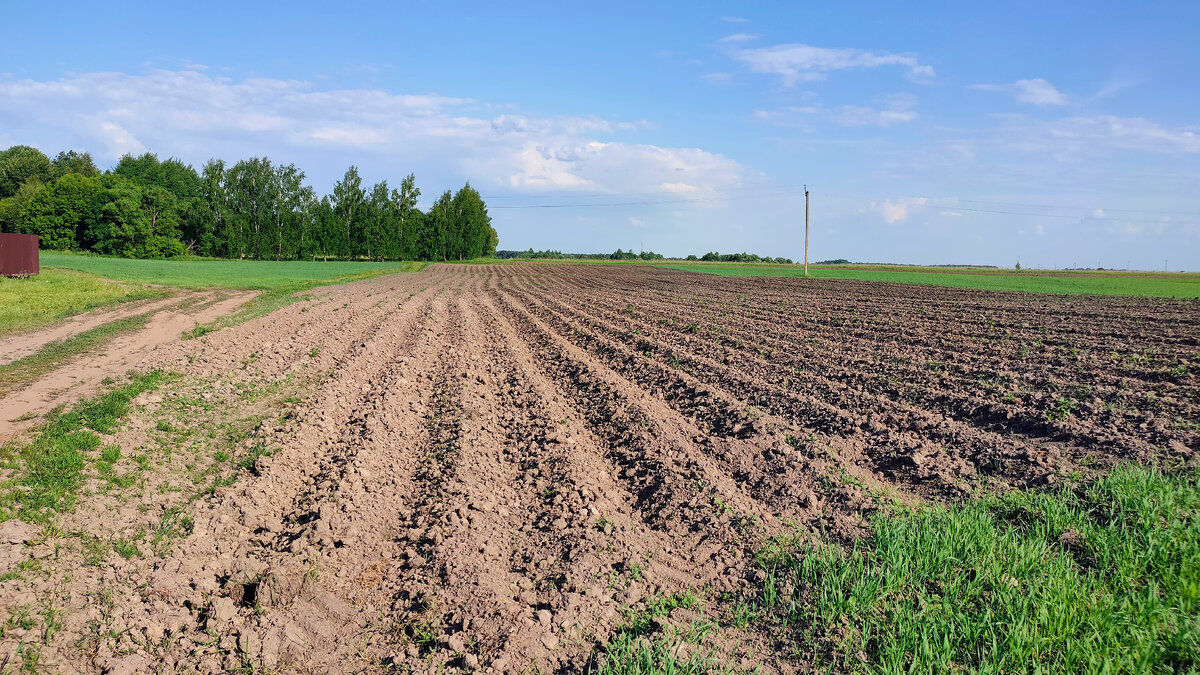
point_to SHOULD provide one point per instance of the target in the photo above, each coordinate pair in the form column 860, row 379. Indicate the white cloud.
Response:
column 1075, row 137
column 717, row 78
column 195, row 115
column 799, row 62
column 733, row 19
column 738, row 37
column 892, row 109
column 1036, row 91
column 897, row 211
column 118, row 140
column 1098, row 213
column 897, row 109
column 677, row 187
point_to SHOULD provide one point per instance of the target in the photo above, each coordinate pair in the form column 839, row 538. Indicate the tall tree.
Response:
column 473, row 226
column 291, row 196
column 250, row 186
column 408, row 217
column 209, row 231
column 438, row 226
column 62, row 210
column 71, row 161
column 12, row 209
column 347, row 201
column 21, row 164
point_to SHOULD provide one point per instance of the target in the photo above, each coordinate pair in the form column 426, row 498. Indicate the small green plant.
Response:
column 1060, row 409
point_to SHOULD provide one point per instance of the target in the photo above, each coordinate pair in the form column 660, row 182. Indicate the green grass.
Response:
column 640, row 647
column 279, row 281
column 1103, row 579
column 52, row 355
column 46, row 472
column 54, row 294
column 237, row 274
column 1177, row 285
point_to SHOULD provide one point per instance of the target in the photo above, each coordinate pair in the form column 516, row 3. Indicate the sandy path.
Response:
column 19, row 346
column 82, row 375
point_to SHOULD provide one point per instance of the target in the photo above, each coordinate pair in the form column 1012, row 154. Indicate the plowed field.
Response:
column 485, row 466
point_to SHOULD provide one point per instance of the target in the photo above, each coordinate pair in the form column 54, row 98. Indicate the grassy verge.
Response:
column 54, row 294
column 45, row 474
column 1103, row 579
column 24, row 370
column 238, row 274
column 1176, row 285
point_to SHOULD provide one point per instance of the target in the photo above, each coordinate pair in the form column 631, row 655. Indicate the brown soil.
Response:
column 477, row 467
column 81, row 376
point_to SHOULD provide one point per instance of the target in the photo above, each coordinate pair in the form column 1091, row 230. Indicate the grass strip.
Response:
column 46, row 473
column 281, row 296
column 31, row 302
column 1103, row 579
column 18, row 373
column 1174, row 285
column 212, row 273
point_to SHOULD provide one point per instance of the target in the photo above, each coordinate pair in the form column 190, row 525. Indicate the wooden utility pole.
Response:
column 805, row 230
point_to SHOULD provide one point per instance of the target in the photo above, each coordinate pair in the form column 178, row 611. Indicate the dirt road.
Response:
column 485, row 467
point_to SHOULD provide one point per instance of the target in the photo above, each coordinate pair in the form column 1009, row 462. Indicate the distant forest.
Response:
column 646, row 255
column 253, row 209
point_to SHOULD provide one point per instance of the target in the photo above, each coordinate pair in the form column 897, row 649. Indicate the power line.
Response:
column 955, row 206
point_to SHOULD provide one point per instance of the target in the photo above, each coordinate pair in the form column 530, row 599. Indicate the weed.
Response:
column 51, row 465
column 1060, row 409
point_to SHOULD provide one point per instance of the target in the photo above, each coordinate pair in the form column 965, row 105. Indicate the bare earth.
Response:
column 170, row 317
column 477, row 467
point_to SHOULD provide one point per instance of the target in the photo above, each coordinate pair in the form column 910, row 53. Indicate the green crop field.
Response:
column 1146, row 284
column 34, row 301
column 245, row 274
column 72, row 283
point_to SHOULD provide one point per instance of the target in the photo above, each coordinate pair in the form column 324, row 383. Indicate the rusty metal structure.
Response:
column 18, row 255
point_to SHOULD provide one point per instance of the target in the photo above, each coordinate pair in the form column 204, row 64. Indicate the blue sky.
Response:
column 1060, row 134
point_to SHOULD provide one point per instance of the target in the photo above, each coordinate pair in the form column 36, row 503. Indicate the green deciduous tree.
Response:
column 21, row 164
column 71, row 161
column 61, row 211
column 347, row 201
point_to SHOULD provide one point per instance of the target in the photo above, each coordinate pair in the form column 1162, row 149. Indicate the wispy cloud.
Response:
column 799, row 62
column 194, row 115
column 717, row 78
column 738, row 37
column 896, row 109
column 1114, row 85
column 1077, row 137
column 1036, row 91
column 733, row 19
column 892, row 109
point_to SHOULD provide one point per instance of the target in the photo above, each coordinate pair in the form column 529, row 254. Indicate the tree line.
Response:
column 645, row 255
column 254, row 209
column 559, row 255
